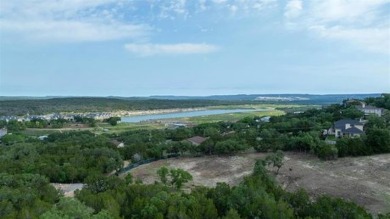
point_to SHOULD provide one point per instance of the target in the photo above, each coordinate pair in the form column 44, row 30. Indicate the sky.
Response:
column 193, row 47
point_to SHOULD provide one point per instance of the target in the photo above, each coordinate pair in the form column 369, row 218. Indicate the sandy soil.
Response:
column 206, row 171
column 364, row 180
column 68, row 189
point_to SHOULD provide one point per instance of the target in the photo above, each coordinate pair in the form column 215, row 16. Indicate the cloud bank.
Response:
column 363, row 23
column 170, row 49
column 67, row 21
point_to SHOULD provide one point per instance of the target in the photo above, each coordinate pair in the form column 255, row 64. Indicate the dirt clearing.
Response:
column 206, row 171
column 364, row 180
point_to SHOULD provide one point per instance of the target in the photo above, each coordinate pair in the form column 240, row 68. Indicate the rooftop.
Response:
column 197, row 140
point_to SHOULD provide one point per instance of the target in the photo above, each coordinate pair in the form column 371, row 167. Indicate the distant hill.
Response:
column 295, row 98
column 97, row 104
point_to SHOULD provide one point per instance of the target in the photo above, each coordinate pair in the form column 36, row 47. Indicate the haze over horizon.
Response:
column 193, row 47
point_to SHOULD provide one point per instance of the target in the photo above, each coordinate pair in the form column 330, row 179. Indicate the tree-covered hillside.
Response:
column 98, row 104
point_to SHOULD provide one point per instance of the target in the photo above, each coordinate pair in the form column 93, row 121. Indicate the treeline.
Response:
column 97, row 104
column 17, row 126
column 305, row 132
column 62, row 157
column 383, row 101
column 258, row 196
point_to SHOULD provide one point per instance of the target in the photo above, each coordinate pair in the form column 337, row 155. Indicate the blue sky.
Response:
column 193, row 47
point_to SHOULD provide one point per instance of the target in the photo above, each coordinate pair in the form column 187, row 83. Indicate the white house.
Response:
column 346, row 127
column 3, row 132
column 370, row 110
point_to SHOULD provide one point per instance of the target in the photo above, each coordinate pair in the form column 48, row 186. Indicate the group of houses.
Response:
column 351, row 127
column 56, row 116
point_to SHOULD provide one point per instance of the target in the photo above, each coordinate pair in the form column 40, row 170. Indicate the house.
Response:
column 196, row 140
column 370, row 110
column 346, row 127
column 175, row 125
column 264, row 119
column 43, row 137
column 118, row 144
column 3, row 132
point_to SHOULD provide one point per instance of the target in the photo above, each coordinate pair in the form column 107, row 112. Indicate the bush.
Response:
column 327, row 152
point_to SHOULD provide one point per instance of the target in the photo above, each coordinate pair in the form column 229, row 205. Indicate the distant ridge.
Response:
column 298, row 98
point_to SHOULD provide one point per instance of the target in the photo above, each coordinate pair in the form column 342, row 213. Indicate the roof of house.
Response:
column 197, row 140
column 369, row 108
column 340, row 124
column 353, row 130
column 3, row 132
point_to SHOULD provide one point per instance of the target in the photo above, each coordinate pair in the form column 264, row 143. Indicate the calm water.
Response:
column 183, row 114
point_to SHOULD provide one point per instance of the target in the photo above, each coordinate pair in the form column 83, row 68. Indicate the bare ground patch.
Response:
column 206, row 171
column 364, row 180
column 68, row 188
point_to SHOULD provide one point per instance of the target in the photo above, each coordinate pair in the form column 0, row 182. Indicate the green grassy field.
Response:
column 231, row 117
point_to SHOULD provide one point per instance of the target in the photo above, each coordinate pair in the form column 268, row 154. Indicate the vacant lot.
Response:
column 364, row 180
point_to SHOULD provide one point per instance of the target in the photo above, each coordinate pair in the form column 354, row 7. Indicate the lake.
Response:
column 134, row 119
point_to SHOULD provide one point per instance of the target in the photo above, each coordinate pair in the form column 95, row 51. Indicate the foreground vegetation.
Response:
column 27, row 165
column 258, row 196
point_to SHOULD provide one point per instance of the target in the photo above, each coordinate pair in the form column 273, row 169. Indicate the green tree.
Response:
column 232, row 214
column 351, row 113
column 179, row 177
column 276, row 159
column 68, row 208
column 327, row 152
column 113, row 120
column 129, row 178
column 163, row 173
column 379, row 140
column 13, row 138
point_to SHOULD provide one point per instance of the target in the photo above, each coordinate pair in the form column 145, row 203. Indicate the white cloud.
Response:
column 373, row 39
column 170, row 49
column 345, row 10
column 72, row 31
column 235, row 7
column 363, row 23
column 219, row 1
column 66, row 21
column 174, row 8
column 293, row 8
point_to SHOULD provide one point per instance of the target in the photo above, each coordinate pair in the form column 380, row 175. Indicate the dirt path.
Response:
column 364, row 180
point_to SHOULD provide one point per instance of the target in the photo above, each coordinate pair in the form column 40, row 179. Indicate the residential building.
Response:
column 370, row 110
column 346, row 127
column 3, row 132
column 196, row 140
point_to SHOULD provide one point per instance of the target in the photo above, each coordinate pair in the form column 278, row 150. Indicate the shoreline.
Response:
column 129, row 113
column 156, row 111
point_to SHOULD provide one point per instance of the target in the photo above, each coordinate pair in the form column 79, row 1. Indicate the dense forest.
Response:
column 28, row 165
column 98, row 104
